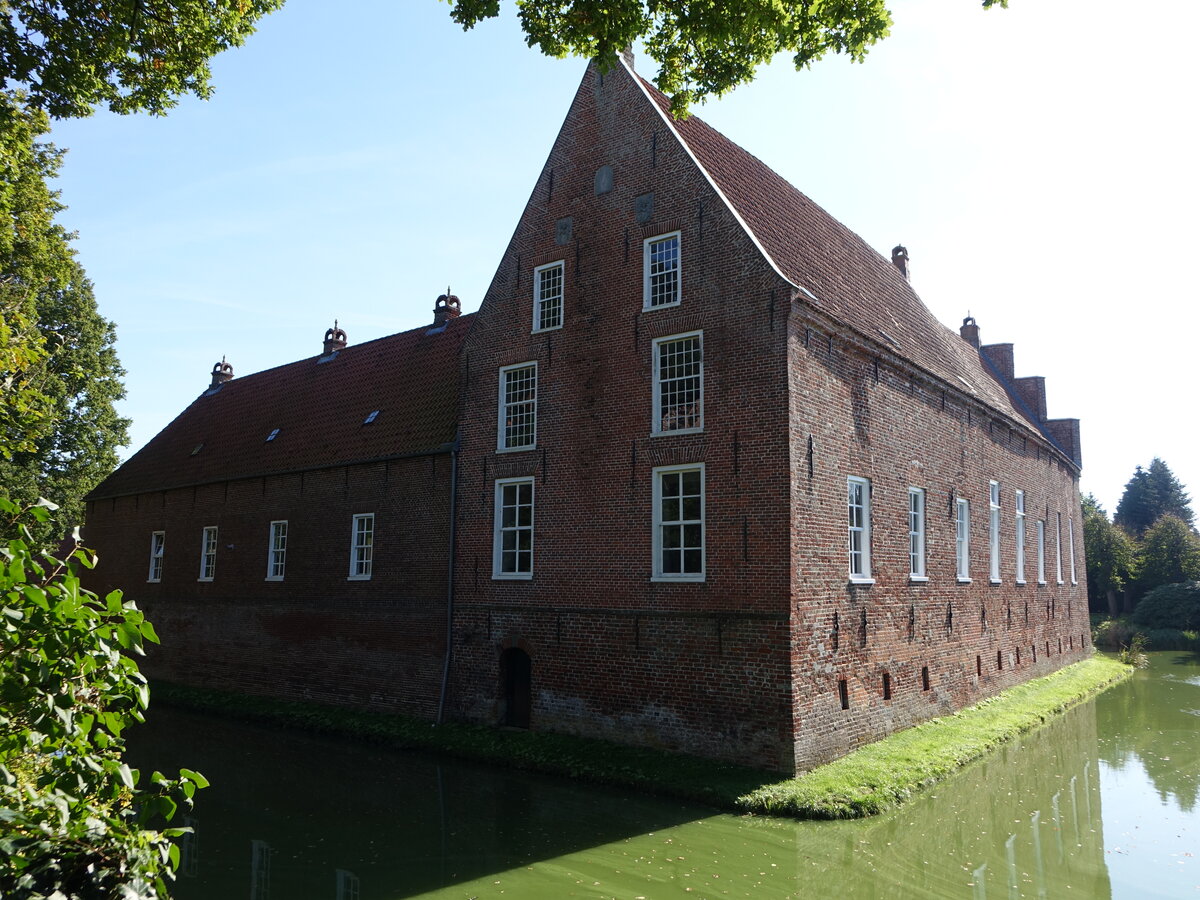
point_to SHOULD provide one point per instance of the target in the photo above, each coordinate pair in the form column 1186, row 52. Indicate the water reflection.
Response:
column 305, row 817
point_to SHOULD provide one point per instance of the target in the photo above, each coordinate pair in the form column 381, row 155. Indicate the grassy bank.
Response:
column 884, row 774
column 866, row 782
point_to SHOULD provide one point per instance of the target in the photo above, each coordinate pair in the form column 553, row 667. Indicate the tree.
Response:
column 1150, row 494
column 1111, row 558
column 1170, row 554
column 61, row 371
column 73, row 820
column 701, row 48
column 70, row 56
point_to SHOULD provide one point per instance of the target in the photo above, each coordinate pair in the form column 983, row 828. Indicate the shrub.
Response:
column 1170, row 606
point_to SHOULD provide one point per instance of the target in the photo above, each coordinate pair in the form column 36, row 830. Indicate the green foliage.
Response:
column 886, row 773
column 61, row 376
column 1135, row 654
column 1111, row 555
column 702, row 48
column 70, row 56
column 1170, row 606
column 1151, row 494
column 1170, row 553
column 74, row 821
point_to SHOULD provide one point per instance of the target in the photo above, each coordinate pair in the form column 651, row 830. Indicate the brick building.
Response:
column 702, row 473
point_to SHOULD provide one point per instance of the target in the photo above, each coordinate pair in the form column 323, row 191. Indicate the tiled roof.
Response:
column 411, row 378
column 844, row 275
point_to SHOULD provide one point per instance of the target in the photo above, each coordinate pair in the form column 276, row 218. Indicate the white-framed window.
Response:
column 512, row 535
column 158, row 540
column 1041, row 550
column 994, row 531
column 208, row 553
column 362, row 546
column 1071, row 546
column 962, row 542
column 277, row 550
column 548, row 296
column 916, row 534
column 660, row 271
column 517, row 426
column 858, row 503
column 1020, row 537
column 679, row 523
column 1058, row 547
column 679, row 383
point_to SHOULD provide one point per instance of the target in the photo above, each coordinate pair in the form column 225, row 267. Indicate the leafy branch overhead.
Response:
column 702, row 47
column 69, row 56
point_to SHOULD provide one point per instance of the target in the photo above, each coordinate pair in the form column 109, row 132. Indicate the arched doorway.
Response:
column 515, row 689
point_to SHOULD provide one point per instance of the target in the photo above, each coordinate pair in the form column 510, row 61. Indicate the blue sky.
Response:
column 357, row 158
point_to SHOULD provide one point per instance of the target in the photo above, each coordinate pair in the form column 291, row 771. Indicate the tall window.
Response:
column 994, row 531
column 962, row 543
column 1020, row 537
column 277, row 551
column 916, row 533
column 157, row 540
column 512, row 535
column 208, row 553
column 679, row 523
column 679, row 383
column 362, row 546
column 858, row 496
column 660, row 271
column 548, row 296
column 1041, row 550
column 517, row 428
column 1058, row 547
column 1071, row 546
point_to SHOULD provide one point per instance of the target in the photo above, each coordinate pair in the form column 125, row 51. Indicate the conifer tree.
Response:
column 1150, row 494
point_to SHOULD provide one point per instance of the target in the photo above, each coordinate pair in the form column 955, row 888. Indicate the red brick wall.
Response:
column 890, row 424
column 696, row 667
column 314, row 635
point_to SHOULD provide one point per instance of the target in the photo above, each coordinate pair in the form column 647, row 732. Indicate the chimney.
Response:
column 900, row 260
column 445, row 308
column 627, row 55
column 970, row 331
column 335, row 340
column 221, row 373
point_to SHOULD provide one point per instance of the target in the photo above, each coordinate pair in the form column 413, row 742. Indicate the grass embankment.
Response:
column 882, row 775
column 866, row 782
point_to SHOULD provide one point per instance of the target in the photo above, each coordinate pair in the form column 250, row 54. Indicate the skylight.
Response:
column 371, row 418
column 196, row 449
column 271, row 436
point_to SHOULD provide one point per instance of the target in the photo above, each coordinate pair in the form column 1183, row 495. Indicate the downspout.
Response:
column 450, row 578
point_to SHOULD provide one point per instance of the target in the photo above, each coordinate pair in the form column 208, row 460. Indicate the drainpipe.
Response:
column 450, row 578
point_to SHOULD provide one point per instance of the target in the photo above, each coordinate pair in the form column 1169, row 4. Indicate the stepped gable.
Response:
column 319, row 408
column 840, row 272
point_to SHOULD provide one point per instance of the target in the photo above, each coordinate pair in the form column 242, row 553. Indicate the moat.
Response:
column 1100, row 803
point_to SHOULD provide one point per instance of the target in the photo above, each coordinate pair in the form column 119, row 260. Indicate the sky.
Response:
column 356, row 159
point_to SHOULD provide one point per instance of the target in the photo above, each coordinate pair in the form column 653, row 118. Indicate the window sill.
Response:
column 358, row 577
column 512, row 576
column 1041, row 582
column 677, row 579
column 204, row 579
column 1020, row 581
column 1059, row 582
column 153, row 581
column 995, row 581
column 963, row 579
column 856, row 580
column 699, row 430
column 918, row 578
column 273, row 578
column 516, row 449
column 646, row 308
column 544, row 330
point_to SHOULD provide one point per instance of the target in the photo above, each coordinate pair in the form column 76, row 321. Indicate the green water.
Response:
column 1101, row 803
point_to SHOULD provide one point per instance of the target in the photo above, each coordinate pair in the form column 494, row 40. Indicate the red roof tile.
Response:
column 411, row 378
column 844, row 275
